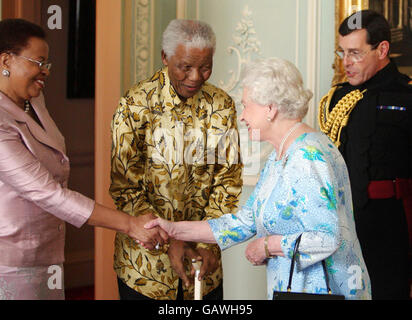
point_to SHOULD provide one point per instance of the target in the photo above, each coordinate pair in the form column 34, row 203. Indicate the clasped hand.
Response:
column 148, row 238
column 255, row 252
column 181, row 250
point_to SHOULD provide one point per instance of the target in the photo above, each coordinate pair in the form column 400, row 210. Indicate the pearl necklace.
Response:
column 291, row 130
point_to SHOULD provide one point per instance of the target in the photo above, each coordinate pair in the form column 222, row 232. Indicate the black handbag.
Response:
column 289, row 295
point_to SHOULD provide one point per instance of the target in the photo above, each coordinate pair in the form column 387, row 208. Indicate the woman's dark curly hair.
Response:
column 15, row 34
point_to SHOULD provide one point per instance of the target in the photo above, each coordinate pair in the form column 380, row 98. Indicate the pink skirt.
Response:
column 33, row 283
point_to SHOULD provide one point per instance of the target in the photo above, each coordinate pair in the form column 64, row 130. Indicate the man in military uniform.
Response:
column 369, row 119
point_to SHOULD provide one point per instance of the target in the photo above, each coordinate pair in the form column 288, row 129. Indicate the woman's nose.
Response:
column 241, row 116
column 45, row 72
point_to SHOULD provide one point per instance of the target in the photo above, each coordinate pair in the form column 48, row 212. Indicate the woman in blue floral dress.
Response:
column 303, row 190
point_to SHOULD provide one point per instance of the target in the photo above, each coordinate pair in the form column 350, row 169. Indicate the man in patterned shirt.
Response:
column 176, row 155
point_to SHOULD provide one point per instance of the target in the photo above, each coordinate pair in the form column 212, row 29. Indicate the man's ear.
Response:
column 383, row 49
column 164, row 58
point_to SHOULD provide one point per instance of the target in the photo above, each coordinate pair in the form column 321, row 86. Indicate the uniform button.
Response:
column 60, row 227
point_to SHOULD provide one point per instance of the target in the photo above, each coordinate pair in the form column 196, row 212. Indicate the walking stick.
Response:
column 198, row 283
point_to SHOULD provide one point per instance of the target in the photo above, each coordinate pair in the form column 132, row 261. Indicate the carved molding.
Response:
column 142, row 36
column 245, row 45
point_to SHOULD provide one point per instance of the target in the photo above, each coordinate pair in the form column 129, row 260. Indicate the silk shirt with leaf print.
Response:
column 179, row 160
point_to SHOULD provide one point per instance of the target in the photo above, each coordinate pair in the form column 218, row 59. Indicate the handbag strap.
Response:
column 292, row 267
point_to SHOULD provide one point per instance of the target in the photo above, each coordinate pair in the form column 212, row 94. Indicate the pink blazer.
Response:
column 34, row 199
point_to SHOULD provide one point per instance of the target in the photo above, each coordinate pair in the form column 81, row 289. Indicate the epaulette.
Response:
column 408, row 84
column 404, row 80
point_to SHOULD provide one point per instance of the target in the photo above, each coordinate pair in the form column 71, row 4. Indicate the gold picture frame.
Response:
column 343, row 9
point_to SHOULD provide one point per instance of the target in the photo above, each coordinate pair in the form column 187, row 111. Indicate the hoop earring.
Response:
column 5, row 73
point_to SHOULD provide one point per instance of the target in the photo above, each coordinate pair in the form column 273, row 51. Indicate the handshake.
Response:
column 151, row 233
column 148, row 231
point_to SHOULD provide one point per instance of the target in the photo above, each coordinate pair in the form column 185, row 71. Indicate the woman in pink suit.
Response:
column 34, row 170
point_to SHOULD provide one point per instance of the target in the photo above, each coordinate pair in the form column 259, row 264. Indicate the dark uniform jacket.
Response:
column 377, row 145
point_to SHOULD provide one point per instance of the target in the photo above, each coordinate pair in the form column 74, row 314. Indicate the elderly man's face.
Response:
column 189, row 68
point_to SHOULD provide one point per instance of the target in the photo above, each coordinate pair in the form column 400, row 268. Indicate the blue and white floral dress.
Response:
column 306, row 192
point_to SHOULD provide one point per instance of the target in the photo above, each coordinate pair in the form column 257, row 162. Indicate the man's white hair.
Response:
column 276, row 81
column 190, row 33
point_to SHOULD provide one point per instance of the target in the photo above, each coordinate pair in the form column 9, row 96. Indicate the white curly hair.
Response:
column 190, row 33
column 275, row 81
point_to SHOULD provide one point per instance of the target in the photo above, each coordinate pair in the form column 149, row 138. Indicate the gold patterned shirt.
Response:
column 179, row 160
